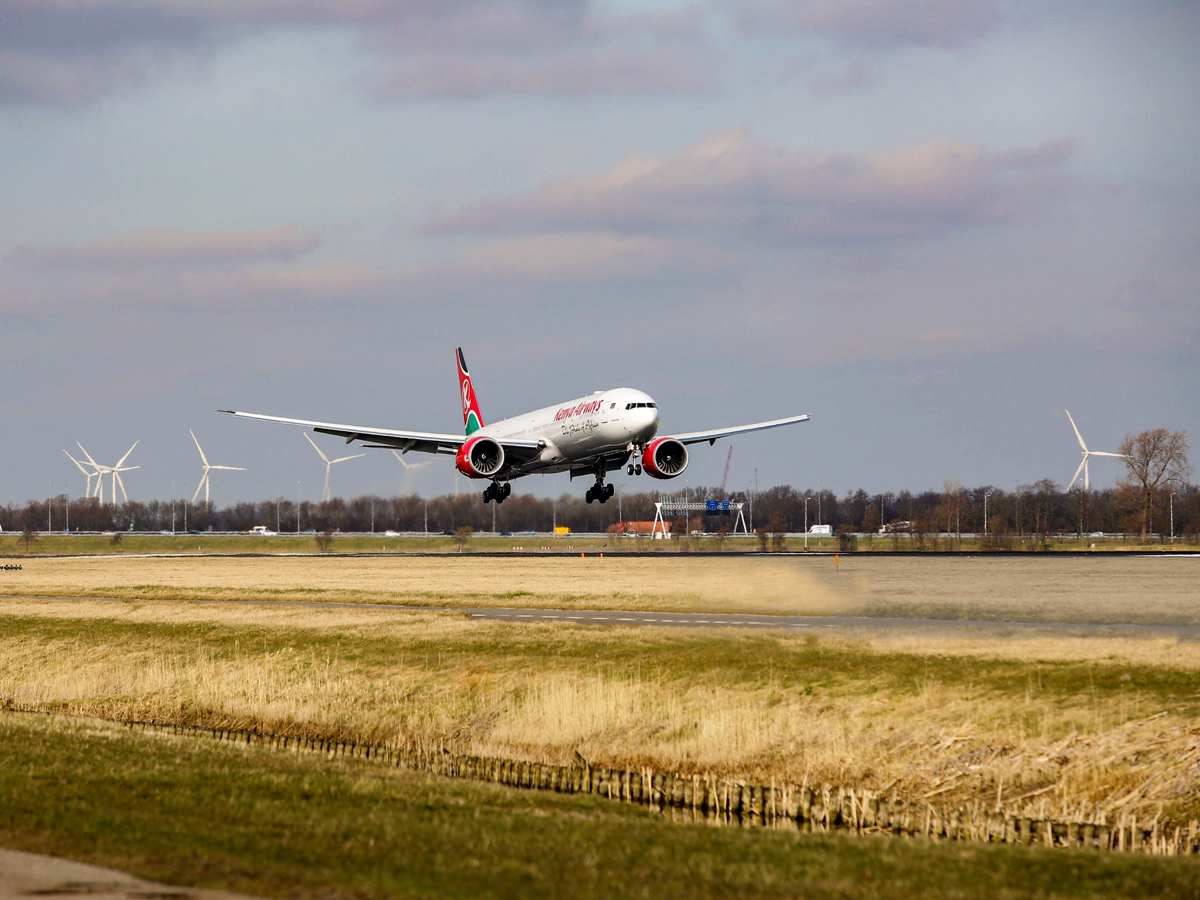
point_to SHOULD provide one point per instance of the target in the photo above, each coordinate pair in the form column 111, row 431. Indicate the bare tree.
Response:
column 1154, row 460
column 29, row 537
column 324, row 539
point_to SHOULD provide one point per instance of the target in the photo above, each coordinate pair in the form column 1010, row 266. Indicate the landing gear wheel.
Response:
column 507, row 489
column 609, row 491
column 589, row 496
column 629, row 469
column 637, row 469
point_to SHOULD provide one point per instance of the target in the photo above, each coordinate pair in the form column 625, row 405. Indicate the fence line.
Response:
column 719, row 800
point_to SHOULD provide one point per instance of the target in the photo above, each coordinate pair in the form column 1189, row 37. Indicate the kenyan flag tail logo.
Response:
column 472, row 420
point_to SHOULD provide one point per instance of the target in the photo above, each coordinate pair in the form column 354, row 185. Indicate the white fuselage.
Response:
column 606, row 422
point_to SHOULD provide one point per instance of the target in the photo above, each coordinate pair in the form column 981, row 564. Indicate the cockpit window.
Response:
column 652, row 406
column 640, row 406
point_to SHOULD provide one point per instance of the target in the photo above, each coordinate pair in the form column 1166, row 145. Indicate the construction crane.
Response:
column 728, row 457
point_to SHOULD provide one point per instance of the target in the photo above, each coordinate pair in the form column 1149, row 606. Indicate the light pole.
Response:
column 49, row 506
column 752, row 496
column 172, row 508
column 1172, row 517
column 297, row 506
column 67, row 507
column 806, row 499
column 985, row 499
column 426, row 517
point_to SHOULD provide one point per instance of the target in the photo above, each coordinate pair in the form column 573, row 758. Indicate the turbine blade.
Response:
column 88, row 455
column 344, row 458
column 126, row 456
column 229, row 468
column 1102, row 453
column 78, row 464
column 1077, row 434
column 395, row 453
column 1082, row 462
column 121, row 482
column 203, row 458
column 324, row 458
column 203, row 478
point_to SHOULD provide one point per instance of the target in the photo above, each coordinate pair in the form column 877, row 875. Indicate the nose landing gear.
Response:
column 633, row 469
column 496, row 491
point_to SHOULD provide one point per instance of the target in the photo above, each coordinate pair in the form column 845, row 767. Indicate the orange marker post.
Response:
column 837, row 561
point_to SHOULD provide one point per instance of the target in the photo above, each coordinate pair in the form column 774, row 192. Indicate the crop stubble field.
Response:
column 1043, row 722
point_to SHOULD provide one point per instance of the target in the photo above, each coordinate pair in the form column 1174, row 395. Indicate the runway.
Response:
column 634, row 619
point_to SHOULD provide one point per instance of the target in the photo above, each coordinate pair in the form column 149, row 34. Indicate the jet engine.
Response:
column 480, row 457
column 665, row 458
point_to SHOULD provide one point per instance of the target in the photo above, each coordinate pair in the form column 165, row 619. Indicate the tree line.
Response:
column 1153, row 496
column 1042, row 508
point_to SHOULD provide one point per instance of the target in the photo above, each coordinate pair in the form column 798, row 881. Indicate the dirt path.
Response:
column 33, row 875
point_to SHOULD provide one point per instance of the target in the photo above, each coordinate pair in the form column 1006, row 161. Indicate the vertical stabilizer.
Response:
column 472, row 420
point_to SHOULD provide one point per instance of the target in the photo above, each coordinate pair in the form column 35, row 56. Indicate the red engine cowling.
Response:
column 480, row 457
column 665, row 458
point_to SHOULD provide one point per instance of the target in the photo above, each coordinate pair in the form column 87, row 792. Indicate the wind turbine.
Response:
column 408, row 470
column 114, row 471
column 1083, row 465
column 328, row 464
column 90, row 475
column 204, row 480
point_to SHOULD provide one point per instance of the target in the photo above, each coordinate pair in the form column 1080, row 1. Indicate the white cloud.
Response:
column 176, row 247
column 876, row 23
column 70, row 52
column 735, row 187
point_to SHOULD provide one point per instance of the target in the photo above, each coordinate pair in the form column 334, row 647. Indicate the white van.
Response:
column 825, row 530
column 262, row 530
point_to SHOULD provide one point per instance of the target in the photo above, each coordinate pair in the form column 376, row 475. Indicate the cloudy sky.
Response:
column 933, row 225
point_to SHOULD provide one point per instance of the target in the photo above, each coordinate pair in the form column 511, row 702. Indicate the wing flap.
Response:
column 696, row 437
column 391, row 438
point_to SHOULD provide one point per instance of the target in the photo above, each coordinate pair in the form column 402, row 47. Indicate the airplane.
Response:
column 591, row 435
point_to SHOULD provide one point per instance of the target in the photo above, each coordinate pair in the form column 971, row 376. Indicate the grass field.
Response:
column 275, row 825
column 1143, row 590
column 58, row 544
column 1038, row 721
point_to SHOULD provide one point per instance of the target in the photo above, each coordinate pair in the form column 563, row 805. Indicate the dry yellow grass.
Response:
column 548, row 691
column 1148, row 590
column 573, row 582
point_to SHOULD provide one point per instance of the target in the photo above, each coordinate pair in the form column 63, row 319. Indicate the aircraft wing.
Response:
column 695, row 437
column 421, row 441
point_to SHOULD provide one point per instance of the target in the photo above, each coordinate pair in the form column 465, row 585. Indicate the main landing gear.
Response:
column 633, row 469
column 496, row 491
column 600, row 491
